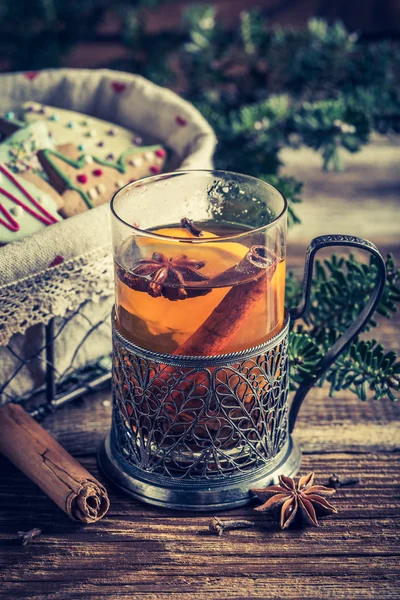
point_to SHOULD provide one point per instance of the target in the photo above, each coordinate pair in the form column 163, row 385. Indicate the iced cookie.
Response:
column 24, row 209
column 92, row 180
column 19, row 151
column 91, row 136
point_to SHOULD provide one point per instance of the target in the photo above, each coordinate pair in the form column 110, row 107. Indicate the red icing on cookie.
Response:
column 11, row 223
column 97, row 172
column 118, row 87
column 82, row 178
column 43, row 215
column 181, row 121
column 155, row 169
column 160, row 152
column 31, row 75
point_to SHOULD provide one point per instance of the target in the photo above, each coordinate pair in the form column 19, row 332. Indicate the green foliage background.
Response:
column 262, row 89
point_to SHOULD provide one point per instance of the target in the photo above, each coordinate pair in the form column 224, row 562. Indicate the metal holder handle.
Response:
column 355, row 328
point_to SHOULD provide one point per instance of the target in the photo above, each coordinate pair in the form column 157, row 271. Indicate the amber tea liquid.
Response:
column 164, row 321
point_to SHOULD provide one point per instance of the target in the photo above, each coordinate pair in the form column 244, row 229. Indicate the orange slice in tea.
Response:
column 160, row 323
column 217, row 256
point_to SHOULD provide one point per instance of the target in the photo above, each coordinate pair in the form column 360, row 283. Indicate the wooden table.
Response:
column 143, row 552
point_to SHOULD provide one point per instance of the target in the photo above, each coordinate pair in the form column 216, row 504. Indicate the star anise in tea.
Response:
column 304, row 499
column 168, row 277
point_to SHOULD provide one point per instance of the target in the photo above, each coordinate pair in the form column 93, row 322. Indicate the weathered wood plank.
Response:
column 374, row 501
column 222, row 588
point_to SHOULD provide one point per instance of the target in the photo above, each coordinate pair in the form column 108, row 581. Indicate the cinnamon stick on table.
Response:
column 46, row 463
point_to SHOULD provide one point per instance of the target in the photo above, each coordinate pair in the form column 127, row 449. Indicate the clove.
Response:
column 336, row 482
column 26, row 537
column 217, row 526
column 190, row 226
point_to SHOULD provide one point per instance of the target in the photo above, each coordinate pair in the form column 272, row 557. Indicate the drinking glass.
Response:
column 200, row 338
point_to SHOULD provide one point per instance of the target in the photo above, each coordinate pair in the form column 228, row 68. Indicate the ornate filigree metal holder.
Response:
column 195, row 432
column 199, row 432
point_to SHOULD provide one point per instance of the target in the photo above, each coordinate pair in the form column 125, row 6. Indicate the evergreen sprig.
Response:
column 339, row 292
column 271, row 87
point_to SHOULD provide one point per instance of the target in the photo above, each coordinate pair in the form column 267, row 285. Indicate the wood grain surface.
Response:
column 143, row 552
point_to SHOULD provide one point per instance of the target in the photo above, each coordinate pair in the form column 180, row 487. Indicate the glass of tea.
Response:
column 200, row 338
column 195, row 273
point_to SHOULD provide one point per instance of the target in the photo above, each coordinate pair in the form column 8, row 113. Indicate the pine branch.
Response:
column 304, row 356
column 366, row 368
column 340, row 289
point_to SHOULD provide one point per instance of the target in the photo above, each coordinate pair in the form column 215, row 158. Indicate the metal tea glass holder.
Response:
column 198, row 432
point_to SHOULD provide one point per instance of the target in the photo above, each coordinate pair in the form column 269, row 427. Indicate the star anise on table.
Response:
column 304, row 499
column 168, row 277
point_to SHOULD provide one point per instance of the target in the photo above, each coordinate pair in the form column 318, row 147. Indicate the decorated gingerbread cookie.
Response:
column 92, row 136
column 91, row 180
column 19, row 154
column 19, row 151
column 24, row 209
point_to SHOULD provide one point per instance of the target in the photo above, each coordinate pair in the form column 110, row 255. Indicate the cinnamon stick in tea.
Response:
column 46, row 463
column 225, row 320
column 258, row 266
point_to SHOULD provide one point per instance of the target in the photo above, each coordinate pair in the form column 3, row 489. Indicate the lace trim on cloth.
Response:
column 55, row 291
